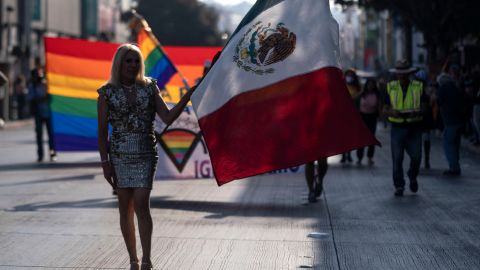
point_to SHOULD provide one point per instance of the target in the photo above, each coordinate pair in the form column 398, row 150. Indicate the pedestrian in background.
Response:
column 3, row 94
column 353, row 86
column 369, row 106
column 39, row 100
column 451, row 101
column 404, row 107
column 476, row 112
column 21, row 94
column 472, row 100
column 315, row 184
column 129, row 102
column 427, row 121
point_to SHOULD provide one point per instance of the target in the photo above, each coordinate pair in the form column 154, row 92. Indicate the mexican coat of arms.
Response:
column 264, row 45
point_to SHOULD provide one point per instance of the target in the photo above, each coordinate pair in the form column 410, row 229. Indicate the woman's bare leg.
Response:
column 145, row 224
column 127, row 224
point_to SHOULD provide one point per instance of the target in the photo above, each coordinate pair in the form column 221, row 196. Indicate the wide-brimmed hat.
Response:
column 402, row 67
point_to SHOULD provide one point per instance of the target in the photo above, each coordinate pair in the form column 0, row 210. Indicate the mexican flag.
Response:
column 276, row 96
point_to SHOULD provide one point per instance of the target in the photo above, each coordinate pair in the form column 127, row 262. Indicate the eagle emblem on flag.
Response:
column 264, row 45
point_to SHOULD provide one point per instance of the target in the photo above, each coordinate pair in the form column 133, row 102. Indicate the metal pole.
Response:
column 6, row 102
column 25, row 37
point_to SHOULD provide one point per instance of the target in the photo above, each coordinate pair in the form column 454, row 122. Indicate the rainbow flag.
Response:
column 157, row 64
column 77, row 68
column 190, row 63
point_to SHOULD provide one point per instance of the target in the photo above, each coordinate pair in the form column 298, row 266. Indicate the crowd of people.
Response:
column 416, row 104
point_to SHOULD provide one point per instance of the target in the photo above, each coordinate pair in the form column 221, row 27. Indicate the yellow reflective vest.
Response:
column 409, row 103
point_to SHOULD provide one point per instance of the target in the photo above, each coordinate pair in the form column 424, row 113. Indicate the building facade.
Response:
column 24, row 23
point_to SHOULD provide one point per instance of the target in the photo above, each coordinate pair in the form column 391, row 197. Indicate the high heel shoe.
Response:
column 134, row 265
column 146, row 266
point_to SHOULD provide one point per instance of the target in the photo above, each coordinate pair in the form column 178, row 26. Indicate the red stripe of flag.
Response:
column 314, row 108
column 81, row 48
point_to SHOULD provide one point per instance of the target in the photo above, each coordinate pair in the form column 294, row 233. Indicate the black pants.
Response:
column 310, row 173
column 371, row 123
column 39, row 121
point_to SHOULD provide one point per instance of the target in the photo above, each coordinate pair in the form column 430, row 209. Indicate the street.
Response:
column 62, row 215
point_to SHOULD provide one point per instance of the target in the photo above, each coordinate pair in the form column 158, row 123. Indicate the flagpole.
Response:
column 147, row 28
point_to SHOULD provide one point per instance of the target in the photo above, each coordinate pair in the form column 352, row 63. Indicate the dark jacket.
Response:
column 451, row 101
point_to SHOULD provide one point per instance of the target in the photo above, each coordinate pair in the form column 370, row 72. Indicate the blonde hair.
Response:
column 117, row 64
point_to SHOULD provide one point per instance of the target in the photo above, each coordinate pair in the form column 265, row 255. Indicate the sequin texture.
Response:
column 132, row 148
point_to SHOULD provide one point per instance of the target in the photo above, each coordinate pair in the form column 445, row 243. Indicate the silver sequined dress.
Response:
column 132, row 148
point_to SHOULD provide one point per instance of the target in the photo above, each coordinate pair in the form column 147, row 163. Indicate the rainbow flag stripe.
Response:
column 189, row 62
column 178, row 142
column 157, row 64
column 77, row 68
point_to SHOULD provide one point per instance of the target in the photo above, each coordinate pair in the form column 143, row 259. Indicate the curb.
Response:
column 15, row 124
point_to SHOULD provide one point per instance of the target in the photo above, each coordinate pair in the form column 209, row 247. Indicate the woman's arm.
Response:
column 102, row 109
column 168, row 116
column 102, row 127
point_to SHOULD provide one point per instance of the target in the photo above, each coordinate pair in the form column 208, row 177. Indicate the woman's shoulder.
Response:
column 151, row 84
column 105, row 89
column 149, row 81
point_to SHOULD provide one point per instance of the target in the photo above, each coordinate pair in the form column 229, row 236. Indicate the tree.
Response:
column 442, row 22
column 181, row 22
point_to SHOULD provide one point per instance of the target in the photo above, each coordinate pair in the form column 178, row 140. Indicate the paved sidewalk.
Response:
column 62, row 216
column 14, row 124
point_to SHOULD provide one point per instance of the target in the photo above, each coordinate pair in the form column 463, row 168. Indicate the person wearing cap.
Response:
column 404, row 106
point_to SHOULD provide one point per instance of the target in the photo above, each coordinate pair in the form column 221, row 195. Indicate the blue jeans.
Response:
column 451, row 145
column 407, row 139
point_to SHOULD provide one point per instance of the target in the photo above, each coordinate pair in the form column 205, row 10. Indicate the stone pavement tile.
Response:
column 102, row 252
column 407, row 256
column 241, row 254
column 62, row 251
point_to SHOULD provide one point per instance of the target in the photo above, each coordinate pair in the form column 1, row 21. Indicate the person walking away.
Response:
column 451, row 101
column 21, row 93
column 315, row 184
column 476, row 113
column 404, row 106
column 368, row 104
column 3, row 94
column 471, row 96
column 40, row 108
column 427, row 121
column 129, row 102
column 353, row 87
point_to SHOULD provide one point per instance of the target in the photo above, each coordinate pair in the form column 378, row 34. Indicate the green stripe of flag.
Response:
column 178, row 149
column 74, row 106
column 152, row 59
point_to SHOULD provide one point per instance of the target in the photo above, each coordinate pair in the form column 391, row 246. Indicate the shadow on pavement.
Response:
column 91, row 203
column 48, row 166
column 227, row 209
column 50, row 180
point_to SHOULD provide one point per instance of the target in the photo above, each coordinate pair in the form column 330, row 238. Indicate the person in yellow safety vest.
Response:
column 404, row 105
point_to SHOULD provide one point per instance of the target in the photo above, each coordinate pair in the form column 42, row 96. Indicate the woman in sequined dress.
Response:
column 129, row 102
